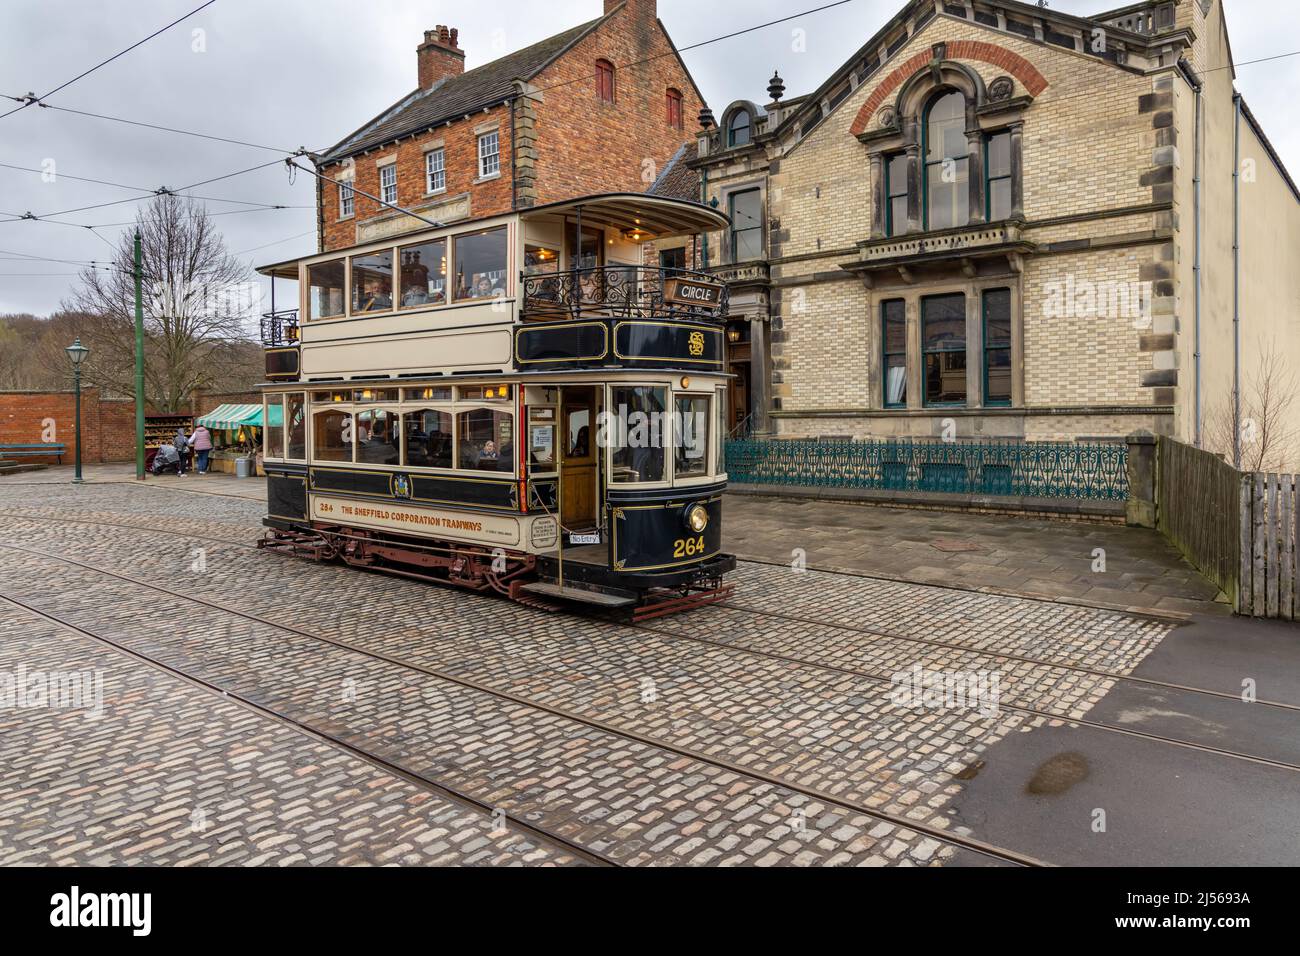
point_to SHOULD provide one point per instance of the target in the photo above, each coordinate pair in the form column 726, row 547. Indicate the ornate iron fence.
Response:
column 1039, row 469
column 619, row 290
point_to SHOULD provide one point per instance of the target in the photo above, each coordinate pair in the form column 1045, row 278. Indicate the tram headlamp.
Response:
column 697, row 518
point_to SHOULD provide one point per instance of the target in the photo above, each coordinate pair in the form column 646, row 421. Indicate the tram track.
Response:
column 447, row 792
column 870, row 632
column 944, row 836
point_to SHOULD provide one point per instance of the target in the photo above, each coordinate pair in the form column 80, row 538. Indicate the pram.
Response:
column 167, row 458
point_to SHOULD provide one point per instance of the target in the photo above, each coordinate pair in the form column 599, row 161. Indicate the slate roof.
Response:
column 455, row 96
column 677, row 180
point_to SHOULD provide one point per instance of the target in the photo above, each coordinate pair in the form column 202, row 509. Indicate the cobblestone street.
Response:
column 260, row 709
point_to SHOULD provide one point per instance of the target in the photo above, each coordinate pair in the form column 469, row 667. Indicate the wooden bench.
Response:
column 34, row 450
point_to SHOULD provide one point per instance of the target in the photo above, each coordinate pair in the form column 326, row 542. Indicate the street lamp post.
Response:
column 77, row 353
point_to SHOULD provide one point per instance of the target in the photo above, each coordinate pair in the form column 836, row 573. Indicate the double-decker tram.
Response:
column 515, row 405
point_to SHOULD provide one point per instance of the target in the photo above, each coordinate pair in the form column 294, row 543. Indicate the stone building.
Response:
column 602, row 107
column 1001, row 220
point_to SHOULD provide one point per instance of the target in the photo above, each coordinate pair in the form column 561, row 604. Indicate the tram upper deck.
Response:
column 556, row 287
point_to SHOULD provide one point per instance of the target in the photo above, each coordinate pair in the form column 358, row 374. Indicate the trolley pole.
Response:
column 139, row 363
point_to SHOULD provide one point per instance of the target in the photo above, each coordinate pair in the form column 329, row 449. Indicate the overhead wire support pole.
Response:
column 139, row 361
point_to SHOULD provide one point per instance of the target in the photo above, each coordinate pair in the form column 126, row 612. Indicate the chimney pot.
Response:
column 439, row 56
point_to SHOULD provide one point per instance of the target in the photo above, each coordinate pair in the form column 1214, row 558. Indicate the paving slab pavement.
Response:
column 1089, row 562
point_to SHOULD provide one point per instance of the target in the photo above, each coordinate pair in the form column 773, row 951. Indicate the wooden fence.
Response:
column 1242, row 531
column 1270, row 573
column 1198, row 509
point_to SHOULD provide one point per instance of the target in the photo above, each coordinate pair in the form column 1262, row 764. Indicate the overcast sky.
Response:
column 293, row 73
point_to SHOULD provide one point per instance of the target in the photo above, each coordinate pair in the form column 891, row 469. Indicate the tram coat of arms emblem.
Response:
column 695, row 343
column 402, row 486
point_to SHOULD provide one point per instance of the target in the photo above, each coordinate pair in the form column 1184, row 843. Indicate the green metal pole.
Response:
column 76, row 378
column 139, row 363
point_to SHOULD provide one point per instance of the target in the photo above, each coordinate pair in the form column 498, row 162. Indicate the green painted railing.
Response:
column 1039, row 469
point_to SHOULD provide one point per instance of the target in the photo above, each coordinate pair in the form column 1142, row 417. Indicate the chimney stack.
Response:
column 438, row 57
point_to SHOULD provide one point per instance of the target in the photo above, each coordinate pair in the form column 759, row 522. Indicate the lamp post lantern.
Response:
column 77, row 353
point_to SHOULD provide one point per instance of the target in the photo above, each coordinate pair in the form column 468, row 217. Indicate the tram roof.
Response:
column 659, row 216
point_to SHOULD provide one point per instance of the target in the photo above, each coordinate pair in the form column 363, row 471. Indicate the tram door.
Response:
column 578, row 466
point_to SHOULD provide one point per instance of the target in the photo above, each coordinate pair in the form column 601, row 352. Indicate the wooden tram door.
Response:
column 578, row 461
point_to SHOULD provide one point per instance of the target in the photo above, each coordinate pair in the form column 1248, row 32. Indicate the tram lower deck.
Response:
column 583, row 489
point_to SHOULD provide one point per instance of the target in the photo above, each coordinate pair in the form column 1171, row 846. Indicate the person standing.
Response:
column 201, row 442
column 182, row 445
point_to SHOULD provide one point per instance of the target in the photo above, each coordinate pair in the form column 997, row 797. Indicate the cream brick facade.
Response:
column 1099, row 253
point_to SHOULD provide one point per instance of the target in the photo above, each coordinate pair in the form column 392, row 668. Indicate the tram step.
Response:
column 578, row 595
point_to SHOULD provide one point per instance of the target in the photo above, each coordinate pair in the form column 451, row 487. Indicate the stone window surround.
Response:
column 724, row 195
column 904, row 134
column 483, row 129
column 431, row 147
column 973, row 289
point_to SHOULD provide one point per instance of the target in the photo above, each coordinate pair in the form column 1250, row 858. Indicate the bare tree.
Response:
column 1267, row 428
column 197, row 299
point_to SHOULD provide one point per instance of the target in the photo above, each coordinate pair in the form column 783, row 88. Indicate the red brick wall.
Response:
column 583, row 145
column 107, row 425
column 490, row 197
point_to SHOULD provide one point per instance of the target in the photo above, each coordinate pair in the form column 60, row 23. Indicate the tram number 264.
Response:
column 688, row 547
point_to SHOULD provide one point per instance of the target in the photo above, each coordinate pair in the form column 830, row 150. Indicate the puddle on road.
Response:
column 1058, row 774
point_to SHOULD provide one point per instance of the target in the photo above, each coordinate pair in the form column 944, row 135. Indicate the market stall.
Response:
column 237, row 435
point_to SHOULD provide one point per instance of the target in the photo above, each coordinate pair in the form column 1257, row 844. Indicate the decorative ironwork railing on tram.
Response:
column 620, row 290
column 280, row 328
column 1039, row 469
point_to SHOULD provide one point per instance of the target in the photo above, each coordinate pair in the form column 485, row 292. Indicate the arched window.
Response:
column 605, row 80
column 738, row 128
column 947, row 172
column 673, row 107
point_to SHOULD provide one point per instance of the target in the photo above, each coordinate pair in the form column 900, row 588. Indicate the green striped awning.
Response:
column 232, row 416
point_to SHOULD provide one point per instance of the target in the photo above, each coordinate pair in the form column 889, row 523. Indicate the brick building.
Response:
column 1001, row 220
column 107, row 424
column 602, row 107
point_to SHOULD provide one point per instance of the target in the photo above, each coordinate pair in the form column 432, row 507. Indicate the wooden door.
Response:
column 578, row 465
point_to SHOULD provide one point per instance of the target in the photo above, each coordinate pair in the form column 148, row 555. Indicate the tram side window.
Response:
column 691, row 442
column 424, row 274
column 486, row 439
column 481, row 264
column 428, row 438
column 295, row 427
column 636, row 433
column 377, row 436
column 720, row 423
column 326, row 283
column 274, row 430
column 372, row 282
column 332, row 436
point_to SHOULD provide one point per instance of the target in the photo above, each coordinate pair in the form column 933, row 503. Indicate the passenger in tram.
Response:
column 374, row 297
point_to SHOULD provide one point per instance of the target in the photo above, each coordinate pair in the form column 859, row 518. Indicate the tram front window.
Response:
column 377, row 436
column 296, row 427
column 635, row 431
column 325, row 280
column 486, row 439
column 332, row 436
column 274, row 430
column 428, row 438
column 372, row 282
column 691, row 442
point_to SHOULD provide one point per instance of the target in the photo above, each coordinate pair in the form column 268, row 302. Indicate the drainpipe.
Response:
column 704, row 236
column 1236, row 281
column 1197, row 265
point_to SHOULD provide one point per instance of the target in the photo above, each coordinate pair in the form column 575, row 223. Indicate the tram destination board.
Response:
column 681, row 291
